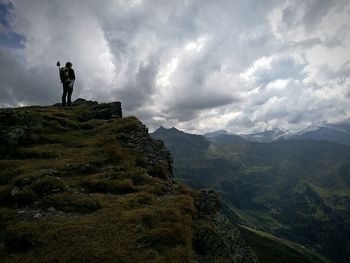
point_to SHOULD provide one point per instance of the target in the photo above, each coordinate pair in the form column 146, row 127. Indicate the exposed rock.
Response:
column 108, row 110
column 16, row 128
column 81, row 101
column 155, row 156
column 207, row 202
column 51, row 209
column 37, row 215
column 103, row 111
column 15, row 191
column 16, row 136
column 20, row 196
column 48, row 185
column 78, row 102
column 49, row 172
column 87, row 168
column 8, row 117
column 219, row 238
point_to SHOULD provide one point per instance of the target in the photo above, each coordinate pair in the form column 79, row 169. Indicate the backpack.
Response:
column 64, row 74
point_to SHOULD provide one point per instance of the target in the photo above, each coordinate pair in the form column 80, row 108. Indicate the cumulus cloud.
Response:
column 197, row 65
column 22, row 86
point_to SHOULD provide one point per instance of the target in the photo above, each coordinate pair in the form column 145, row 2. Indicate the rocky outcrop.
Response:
column 218, row 238
column 81, row 101
column 207, row 203
column 153, row 154
column 102, row 111
column 15, row 130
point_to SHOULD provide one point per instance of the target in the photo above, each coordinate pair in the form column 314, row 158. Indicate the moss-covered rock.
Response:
column 49, row 185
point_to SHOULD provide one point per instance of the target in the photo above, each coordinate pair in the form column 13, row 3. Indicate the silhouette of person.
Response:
column 67, row 77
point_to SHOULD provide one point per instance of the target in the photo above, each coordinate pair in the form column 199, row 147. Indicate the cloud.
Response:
column 22, row 86
column 138, row 90
column 197, row 65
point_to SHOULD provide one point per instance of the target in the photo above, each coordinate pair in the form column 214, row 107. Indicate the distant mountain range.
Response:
column 338, row 133
column 293, row 185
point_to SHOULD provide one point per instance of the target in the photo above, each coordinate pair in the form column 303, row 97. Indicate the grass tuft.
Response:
column 159, row 170
column 72, row 203
column 109, row 186
column 48, row 185
column 20, row 238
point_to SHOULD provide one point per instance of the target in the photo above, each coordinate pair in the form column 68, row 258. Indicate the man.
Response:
column 67, row 77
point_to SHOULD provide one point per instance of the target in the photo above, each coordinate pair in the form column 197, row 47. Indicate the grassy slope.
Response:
column 293, row 190
column 269, row 248
column 106, row 206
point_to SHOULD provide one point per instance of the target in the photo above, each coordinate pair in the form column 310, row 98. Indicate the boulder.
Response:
column 81, row 101
column 104, row 111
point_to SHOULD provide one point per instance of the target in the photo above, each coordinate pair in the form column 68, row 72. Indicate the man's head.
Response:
column 69, row 65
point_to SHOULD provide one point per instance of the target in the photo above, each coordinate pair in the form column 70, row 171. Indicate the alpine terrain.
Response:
column 297, row 190
column 84, row 184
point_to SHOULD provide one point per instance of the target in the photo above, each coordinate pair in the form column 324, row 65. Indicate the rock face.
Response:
column 102, row 111
column 12, row 133
column 81, row 101
column 207, row 203
column 219, row 238
column 153, row 153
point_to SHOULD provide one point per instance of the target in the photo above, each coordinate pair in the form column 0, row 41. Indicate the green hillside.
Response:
column 298, row 190
column 83, row 184
column 269, row 248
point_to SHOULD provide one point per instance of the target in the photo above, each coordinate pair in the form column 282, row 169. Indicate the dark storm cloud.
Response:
column 138, row 91
column 308, row 13
column 5, row 7
column 22, row 86
column 164, row 28
column 11, row 40
column 8, row 38
column 206, row 101
column 229, row 64
column 281, row 68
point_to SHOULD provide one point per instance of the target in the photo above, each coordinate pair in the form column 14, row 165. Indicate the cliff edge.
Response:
column 85, row 184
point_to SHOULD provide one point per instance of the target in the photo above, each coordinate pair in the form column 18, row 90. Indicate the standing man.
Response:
column 67, row 77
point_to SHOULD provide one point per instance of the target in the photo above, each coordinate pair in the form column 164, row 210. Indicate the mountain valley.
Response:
column 295, row 189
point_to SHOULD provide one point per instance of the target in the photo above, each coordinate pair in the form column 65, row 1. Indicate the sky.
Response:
column 198, row 65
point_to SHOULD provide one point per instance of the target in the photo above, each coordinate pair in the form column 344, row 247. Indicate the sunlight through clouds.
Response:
column 197, row 65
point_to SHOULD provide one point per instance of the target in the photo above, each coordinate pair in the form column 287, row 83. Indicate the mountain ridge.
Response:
column 85, row 184
column 338, row 133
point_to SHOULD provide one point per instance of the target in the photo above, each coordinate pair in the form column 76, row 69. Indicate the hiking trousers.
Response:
column 67, row 95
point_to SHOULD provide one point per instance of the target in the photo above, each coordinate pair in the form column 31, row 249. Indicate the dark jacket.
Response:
column 63, row 77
